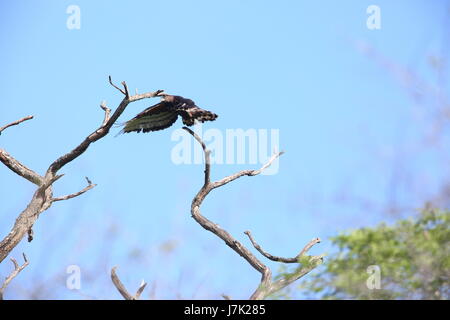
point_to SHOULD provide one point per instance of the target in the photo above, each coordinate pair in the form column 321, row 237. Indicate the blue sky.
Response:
column 295, row 66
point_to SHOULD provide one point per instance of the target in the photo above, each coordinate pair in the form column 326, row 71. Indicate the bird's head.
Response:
column 167, row 97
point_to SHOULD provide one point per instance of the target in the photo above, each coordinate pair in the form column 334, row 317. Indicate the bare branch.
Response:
column 268, row 255
column 15, row 123
column 76, row 194
column 139, row 291
column 107, row 113
column 19, row 168
column 121, row 90
column 99, row 133
column 125, row 87
column 207, row 155
column 281, row 259
column 15, row 165
column 43, row 197
column 308, row 246
column 14, row 273
column 119, row 285
column 266, row 286
column 121, row 288
column 249, row 173
column 266, row 274
column 136, row 97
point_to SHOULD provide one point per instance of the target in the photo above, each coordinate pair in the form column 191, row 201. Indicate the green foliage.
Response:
column 412, row 257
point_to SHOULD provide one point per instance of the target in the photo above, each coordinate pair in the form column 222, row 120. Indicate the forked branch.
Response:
column 76, row 194
column 267, row 286
column 121, row 288
column 14, row 273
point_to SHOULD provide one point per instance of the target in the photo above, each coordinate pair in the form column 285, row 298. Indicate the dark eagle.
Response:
column 163, row 114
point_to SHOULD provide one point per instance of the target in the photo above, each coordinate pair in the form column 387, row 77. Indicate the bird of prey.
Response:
column 163, row 114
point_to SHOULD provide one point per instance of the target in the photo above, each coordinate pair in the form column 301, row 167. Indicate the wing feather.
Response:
column 154, row 118
column 163, row 114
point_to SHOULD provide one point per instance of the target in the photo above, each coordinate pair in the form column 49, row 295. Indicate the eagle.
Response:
column 163, row 114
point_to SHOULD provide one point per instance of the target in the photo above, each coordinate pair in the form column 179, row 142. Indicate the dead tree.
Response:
column 267, row 286
column 43, row 196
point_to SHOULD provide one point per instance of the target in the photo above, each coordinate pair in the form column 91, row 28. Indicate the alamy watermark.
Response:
column 73, row 281
column 232, row 146
column 73, row 21
column 374, row 19
column 374, row 279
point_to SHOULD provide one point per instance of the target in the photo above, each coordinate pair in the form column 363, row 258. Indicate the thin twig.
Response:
column 107, row 113
column 207, row 155
column 15, row 123
column 15, row 165
column 121, row 288
column 308, row 246
column 249, row 173
column 125, row 87
column 136, row 97
column 268, row 255
column 14, row 273
column 76, row 194
column 121, row 90
column 139, row 291
column 281, row 259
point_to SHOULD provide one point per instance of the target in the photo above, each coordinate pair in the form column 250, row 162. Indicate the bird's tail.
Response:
column 193, row 115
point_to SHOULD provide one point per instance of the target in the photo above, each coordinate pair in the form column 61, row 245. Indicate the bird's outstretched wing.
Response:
column 162, row 115
column 157, row 117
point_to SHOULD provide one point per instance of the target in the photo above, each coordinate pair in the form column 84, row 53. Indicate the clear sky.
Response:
column 296, row 66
